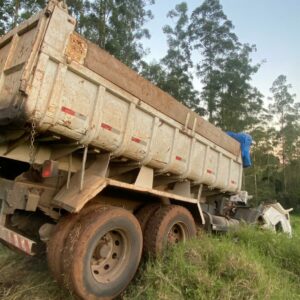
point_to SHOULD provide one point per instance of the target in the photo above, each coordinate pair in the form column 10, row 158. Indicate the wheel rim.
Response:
column 109, row 256
column 176, row 234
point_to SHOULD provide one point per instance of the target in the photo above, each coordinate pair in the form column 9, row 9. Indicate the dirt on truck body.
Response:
column 98, row 165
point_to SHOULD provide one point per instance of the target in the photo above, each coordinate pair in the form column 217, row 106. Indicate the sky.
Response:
column 272, row 25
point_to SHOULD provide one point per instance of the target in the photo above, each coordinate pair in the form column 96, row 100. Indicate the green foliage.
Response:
column 240, row 102
column 12, row 12
column 178, row 60
column 246, row 264
column 173, row 73
column 5, row 10
column 276, row 151
column 225, row 69
column 115, row 25
column 30, row 7
column 261, row 180
column 210, row 32
column 287, row 118
column 284, row 252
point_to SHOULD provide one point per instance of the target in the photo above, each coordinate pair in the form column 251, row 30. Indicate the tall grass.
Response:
column 244, row 264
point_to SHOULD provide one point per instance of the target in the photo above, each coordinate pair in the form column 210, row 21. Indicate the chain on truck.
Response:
column 98, row 166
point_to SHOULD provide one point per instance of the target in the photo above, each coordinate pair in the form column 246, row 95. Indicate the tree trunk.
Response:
column 283, row 153
column 102, row 24
column 16, row 13
column 255, row 178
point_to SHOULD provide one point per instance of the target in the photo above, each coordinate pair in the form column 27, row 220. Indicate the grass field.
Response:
column 246, row 264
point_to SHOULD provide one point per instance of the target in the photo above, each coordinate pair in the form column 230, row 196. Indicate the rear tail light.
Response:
column 50, row 169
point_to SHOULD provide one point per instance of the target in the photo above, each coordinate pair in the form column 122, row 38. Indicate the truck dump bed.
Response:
column 67, row 85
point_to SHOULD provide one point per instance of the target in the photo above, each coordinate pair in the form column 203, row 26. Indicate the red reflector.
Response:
column 68, row 111
column 210, row 171
column 178, row 158
column 46, row 173
column 50, row 169
column 137, row 140
column 106, row 126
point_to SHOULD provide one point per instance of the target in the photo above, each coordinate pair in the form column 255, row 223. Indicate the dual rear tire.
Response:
column 96, row 253
column 168, row 226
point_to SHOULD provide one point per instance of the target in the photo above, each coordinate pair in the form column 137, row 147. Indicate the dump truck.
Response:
column 97, row 165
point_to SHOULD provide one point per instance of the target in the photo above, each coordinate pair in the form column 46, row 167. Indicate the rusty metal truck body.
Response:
column 81, row 99
column 49, row 76
column 79, row 127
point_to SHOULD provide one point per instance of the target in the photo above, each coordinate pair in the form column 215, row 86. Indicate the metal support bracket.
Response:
column 145, row 177
column 64, row 150
column 74, row 198
column 82, row 171
column 182, row 189
column 11, row 146
column 198, row 203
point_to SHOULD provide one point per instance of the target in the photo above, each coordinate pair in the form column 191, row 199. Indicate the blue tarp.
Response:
column 245, row 141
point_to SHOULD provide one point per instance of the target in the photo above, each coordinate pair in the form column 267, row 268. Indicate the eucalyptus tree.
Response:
column 9, row 14
column 261, row 179
column 173, row 73
column 155, row 72
column 287, row 120
column 30, row 7
column 115, row 25
column 118, row 27
column 225, row 69
column 240, row 103
column 178, row 61
column 5, row 15
column 211, row 34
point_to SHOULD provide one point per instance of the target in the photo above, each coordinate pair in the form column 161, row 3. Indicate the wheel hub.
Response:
column 108, row 256
column 176, row 234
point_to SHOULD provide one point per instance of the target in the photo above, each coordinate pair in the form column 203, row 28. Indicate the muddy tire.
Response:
column 168, row 226
column 102, row 253
column 58, row 239
column 144, row 214
column 56, row 245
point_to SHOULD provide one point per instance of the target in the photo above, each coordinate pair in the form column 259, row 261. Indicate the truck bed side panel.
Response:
column 110, row 68
column 105, row 104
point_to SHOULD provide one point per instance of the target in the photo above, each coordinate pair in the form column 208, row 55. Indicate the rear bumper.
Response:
column 17, row 240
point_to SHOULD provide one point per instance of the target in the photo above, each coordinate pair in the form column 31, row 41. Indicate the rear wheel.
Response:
column 58, row 239
column 102, row 253
column 144, row 214
column 56, row 243
column 168, row 226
